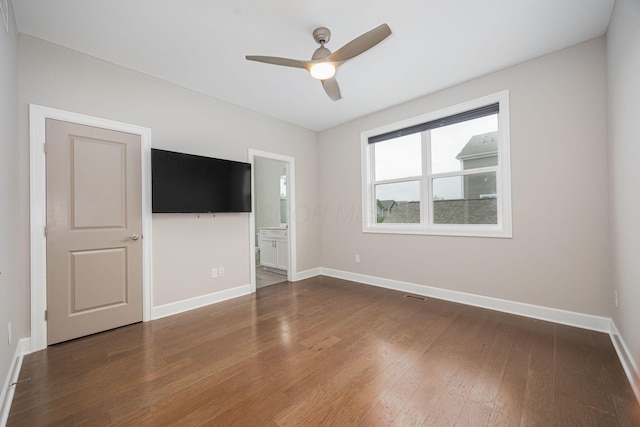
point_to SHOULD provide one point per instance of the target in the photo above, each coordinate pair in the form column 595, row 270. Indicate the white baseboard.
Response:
column 307, row 274
column 12, row 376
column 570, row 318
column 197, row 302
column 626, row 359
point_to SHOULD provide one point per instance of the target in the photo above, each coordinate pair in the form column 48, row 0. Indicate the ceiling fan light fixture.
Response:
column 322, row 70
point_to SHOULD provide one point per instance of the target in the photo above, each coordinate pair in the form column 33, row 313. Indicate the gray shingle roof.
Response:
column 479, row 146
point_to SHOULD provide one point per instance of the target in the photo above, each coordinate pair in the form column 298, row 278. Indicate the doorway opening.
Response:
column 272, row 220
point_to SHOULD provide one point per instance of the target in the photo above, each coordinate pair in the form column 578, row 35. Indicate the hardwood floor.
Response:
column 329, row 352
column 268, row 278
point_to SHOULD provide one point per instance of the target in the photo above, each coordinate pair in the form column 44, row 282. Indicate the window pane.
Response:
column 450, row 188
column 398, row 157
column 469, row 199
column 467, row 145
column 398, row 202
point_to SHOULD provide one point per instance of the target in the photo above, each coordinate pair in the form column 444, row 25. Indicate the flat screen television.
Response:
column 186, row 183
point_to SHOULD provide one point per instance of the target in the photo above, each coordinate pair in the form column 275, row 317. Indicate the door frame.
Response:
column 38, row 210
column 291, row 212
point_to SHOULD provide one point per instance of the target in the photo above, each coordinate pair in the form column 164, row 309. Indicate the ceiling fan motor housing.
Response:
column 322, row 35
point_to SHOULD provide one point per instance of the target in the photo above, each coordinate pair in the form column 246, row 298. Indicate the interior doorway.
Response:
column 273, row 219
column 38, row 117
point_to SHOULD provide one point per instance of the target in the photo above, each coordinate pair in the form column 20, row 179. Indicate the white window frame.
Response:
column 502, row 229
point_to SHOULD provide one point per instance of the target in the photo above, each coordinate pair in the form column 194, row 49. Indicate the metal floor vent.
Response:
column 415, row 297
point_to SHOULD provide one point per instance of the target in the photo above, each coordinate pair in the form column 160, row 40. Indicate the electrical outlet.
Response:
column 615, row 298
column 9, row 333
column 221, row 271
column 357, row 258
column 214, row 273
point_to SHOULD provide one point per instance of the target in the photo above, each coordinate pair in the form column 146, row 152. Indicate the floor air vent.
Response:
column 415, row 297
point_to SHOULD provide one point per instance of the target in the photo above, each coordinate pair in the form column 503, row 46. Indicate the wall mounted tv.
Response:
column 186, row 183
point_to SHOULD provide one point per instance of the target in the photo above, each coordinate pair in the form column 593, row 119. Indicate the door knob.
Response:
column 133, row 237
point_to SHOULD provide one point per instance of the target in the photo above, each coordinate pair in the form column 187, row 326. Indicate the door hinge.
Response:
column 45, row 231
column 44, row 147
column 46, row 315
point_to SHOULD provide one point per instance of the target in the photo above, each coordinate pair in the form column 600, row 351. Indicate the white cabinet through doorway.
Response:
column 274, row 248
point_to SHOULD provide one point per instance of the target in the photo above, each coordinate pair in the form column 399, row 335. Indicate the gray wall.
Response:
column 558, row 256
column 185, row 247
column 14, row 240
column 623, row 72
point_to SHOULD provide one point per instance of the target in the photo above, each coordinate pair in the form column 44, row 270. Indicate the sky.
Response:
column 402, row 158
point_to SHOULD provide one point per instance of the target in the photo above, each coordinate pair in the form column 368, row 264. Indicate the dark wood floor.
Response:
column 329, row 352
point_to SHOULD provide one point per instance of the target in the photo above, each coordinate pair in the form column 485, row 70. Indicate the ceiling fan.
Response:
column 323, row 63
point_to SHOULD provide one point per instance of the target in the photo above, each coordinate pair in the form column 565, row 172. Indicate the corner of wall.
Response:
column 8, row 388
column 626, row 359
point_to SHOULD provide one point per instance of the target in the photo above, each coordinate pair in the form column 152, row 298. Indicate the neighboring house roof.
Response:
column 482, row 145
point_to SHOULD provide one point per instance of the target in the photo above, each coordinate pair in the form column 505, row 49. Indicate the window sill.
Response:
column 492, row 231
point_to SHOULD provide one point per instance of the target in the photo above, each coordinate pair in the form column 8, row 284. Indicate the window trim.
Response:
column 503, row 229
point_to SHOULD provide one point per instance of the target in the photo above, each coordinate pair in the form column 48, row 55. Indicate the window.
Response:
column 442, row 173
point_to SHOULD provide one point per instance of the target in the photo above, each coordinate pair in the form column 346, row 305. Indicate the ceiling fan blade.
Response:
column 360, row 44
column 280, row 61
column 332, row 89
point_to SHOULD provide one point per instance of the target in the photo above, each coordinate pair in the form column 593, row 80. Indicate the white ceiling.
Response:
column 201, row 44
